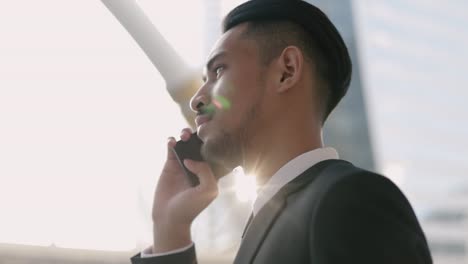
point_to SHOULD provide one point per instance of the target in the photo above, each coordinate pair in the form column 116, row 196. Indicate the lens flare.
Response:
column 218, row 103
column 221, row 103
column 245, row 186
column 209, row 109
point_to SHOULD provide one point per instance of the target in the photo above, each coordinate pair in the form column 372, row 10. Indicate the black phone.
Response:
column 191, row 149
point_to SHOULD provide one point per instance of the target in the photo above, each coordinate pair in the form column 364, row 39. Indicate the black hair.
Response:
column 278, row 23
column 272, row 37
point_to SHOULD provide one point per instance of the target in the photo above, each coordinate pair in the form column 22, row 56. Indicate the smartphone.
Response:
column 190, row 149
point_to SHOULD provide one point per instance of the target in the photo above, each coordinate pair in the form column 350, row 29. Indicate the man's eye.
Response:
column 218, row 70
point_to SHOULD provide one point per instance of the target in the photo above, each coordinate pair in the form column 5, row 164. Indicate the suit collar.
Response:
column 255, row 233
column 289, row 171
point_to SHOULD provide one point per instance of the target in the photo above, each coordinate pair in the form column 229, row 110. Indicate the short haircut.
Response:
column 272, row 37
column 279, row 23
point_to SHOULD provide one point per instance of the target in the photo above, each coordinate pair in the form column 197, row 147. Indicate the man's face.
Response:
column 234, row 88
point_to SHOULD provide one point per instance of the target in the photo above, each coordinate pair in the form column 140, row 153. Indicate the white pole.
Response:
column 181, row 80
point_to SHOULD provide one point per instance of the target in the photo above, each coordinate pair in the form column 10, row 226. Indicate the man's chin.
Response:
column 217, row 166
column 205, row 131
column 209, row 154
column 215, row 152
column 219, row 171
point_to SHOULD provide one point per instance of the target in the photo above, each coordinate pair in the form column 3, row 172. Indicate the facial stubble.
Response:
column 228, row 149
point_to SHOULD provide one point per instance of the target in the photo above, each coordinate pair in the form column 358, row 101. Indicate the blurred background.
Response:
column 84, row 118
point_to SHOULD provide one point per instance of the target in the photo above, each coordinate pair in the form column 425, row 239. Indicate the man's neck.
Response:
column 272, row 154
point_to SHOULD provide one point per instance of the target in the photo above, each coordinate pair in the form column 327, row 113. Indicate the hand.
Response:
column 176, row 203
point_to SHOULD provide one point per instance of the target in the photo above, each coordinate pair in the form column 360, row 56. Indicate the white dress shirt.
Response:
column 289, row 172
column 283, row 176
column 148, row 252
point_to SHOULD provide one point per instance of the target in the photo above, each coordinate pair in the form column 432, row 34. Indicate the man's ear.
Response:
column 290, row 66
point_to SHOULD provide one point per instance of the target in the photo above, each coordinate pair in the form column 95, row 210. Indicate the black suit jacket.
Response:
column 332, row 213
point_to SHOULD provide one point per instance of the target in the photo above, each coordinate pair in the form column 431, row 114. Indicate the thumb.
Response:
column 204, row 173
column 171, row 142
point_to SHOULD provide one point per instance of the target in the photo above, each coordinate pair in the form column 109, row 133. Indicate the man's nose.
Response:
column 198, row 102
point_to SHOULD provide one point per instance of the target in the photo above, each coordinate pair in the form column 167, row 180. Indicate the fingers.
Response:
column 171, row 142
column 208, row 181
column 185, row 134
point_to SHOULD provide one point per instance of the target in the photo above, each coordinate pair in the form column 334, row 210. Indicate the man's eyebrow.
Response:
column 212, row 60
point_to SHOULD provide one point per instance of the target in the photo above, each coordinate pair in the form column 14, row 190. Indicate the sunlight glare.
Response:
column 245, row 186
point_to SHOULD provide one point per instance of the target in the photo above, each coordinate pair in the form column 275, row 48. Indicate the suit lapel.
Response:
column 257, row 230
column 247, row 225
column 255, row 233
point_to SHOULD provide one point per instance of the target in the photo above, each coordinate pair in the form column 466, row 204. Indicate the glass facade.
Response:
column 347, row 128
column 414, row 62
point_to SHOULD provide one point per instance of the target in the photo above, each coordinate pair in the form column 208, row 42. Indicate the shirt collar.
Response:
column 289, row 172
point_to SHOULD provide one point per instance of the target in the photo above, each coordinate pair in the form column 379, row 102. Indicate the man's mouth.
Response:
column 202, row 119
column 205, row 114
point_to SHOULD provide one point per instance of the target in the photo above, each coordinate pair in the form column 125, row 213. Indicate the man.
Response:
column 283, row 67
